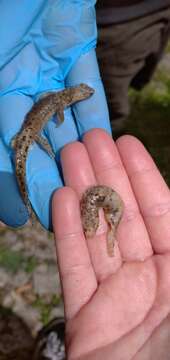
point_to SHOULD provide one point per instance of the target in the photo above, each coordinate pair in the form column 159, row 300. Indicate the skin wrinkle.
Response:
column 148, row 312
column 124, row 271
column 147, row 346
column 112, row 166
column 133, row 174
column 101, row 277
column 78, row 283
column 158, row 210
column 75, row 269
column 151, row 332
column 69, row 235
column 130, row 214
column 134, row 252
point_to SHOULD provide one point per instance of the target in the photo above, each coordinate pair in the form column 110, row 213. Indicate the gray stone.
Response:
column 4, row 278
column 20, row 279
column 46, row 281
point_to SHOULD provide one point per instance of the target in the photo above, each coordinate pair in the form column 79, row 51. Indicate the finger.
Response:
column 77, row 275
column 92, row 112
column 150, row 189
column 132, row 235
column 79, row 175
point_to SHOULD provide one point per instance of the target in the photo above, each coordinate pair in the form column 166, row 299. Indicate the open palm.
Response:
column 115, row 307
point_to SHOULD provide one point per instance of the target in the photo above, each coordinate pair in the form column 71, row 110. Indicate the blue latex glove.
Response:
column 45, row 45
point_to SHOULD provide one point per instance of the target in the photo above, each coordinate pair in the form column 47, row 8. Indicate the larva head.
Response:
column 82, row 92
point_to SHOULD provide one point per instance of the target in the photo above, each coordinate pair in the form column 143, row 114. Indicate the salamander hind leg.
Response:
column 14, row 142
column 45, row 145
column 60, row 115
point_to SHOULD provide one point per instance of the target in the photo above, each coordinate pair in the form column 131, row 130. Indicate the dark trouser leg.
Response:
column 128, row 53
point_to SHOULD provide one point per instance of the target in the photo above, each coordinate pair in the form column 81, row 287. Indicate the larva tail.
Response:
column 111, row 242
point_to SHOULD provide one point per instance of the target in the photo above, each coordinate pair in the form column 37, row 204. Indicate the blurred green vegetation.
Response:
column 45, row 309
column 149, row 119
column 14, row 261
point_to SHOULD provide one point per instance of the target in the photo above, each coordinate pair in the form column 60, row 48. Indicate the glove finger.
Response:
column 12, row 114
column 40, row 169
column 93, row 112
column 12, row 209
column 43, row 178
column 63, row 134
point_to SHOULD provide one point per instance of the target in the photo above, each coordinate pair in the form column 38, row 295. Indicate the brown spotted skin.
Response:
column 36, row 119
column 101, row 196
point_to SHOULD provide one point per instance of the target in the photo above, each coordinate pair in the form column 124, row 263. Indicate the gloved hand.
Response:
column 45, row 45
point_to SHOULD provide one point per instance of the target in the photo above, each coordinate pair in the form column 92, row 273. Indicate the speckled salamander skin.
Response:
column 101, row 196
column 36, row 119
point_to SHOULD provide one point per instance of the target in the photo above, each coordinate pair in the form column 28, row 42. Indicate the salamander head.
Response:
column 86, row 90
column 73, row 94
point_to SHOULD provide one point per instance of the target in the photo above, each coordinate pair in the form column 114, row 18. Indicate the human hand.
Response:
column 115, row 307
column 45, row 46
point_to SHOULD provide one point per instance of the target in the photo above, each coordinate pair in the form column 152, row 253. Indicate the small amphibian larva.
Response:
column 101, row 196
